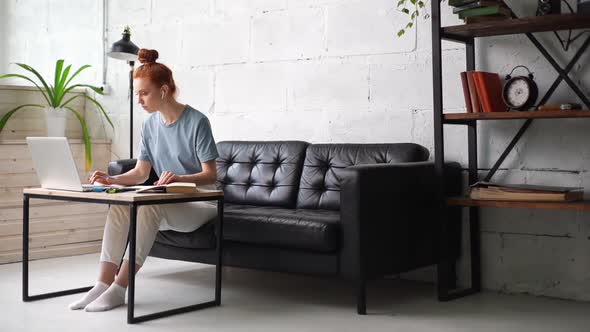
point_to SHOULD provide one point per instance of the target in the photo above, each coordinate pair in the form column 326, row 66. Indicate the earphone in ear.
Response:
column 162, row 95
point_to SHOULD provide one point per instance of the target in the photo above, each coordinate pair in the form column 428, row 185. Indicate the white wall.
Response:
column 334, row 71
column 2, row 38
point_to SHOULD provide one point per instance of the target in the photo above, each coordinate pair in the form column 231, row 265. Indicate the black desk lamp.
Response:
column 124, row 49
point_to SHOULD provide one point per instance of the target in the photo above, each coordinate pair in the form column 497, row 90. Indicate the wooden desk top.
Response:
column 128, row 196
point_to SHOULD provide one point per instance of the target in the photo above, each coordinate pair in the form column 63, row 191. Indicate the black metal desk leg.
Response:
column 25, row 247
column 218, row 268
column 131, row 319
column 132, row 242
column 25, row 261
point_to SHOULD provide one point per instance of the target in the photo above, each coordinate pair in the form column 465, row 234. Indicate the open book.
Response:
column 174, row 187
column 524, row 192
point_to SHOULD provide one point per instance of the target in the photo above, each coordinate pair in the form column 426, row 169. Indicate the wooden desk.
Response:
column 133, row 200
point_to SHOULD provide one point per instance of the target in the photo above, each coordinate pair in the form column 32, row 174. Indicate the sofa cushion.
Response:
column 322, row 169
column 260, row 173
column 314, row 230
column 202, row 238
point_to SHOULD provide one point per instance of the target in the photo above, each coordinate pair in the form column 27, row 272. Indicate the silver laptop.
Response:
column 55, row 165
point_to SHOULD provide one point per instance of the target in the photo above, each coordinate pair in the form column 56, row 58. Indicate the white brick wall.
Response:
column 216, row 41
column 327, row 85
column 334, row 71
column 294, row 34
column 3, row 47
column 365, row 27
column 251, row 88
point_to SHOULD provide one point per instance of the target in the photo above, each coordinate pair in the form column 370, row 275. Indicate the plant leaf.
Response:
column 47, row 87
column 59, row 64
column 76, row 74
column 101, row 109
column 85, row 138
column 401, row 32
column 14, row 110
column 30, row 80
column 69, row 100
column 94, row 88
column 59, row 88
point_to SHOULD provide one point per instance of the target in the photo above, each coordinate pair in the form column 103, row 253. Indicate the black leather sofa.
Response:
column 356, row 211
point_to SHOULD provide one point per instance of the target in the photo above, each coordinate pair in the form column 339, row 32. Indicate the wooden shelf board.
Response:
column 461, row 117
column 466, row 201
column 520, row 25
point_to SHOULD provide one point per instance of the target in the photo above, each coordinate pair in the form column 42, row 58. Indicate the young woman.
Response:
column 176, row 140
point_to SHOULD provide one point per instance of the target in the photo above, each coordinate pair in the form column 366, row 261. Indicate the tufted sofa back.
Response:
column 320, row 180
column 260, row 173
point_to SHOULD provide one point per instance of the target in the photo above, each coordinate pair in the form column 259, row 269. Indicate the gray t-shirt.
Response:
column 180, row 147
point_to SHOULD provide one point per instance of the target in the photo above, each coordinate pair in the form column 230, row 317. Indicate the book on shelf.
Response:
column 474, row 4
column 174, row 187
column 466, row 94
column 583, row 6
column 489, row 18
column 482, row 92
column 524, row 192
column 489, row 90
column 457, row 3
column 498, row 9
column 472, row 93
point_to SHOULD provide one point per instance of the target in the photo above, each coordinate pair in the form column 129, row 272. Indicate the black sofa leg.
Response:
column 453, row 274
column 361, row 297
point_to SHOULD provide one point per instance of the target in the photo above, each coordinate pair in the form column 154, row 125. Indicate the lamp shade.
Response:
column 124, row 49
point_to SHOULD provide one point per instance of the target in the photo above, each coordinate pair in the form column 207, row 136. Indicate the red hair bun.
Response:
column 147, row 56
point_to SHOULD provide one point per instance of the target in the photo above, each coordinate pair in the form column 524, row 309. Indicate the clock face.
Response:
column 518, row 93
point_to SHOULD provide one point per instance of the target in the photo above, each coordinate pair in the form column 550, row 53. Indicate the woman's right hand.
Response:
column 101, row 177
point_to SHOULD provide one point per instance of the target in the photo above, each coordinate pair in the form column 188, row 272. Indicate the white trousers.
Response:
column 183, row 217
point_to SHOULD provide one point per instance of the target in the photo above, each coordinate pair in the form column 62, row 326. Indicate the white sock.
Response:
column 111, row 298
column 92, row 294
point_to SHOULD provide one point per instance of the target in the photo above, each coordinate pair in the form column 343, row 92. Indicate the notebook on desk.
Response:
column 54, row 164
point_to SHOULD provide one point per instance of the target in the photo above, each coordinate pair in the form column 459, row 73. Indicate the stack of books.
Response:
column 482, row 92
column 524, row 192
column 474, row 11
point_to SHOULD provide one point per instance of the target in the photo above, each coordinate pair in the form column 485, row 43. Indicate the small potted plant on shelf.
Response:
column 57, row 106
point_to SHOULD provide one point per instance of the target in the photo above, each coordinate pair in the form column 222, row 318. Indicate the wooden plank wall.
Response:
column 56, row 228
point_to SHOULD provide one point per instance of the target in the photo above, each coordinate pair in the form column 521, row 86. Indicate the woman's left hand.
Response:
column 167, row 177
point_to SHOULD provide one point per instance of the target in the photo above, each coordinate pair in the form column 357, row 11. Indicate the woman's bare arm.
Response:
column 139, row 174
column 208, row 175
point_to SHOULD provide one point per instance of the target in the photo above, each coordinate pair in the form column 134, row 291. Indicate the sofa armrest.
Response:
column 390, row 217
column 118, row 167
column 125, row 165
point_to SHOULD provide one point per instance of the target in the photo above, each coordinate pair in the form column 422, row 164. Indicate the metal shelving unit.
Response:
column 467, row 34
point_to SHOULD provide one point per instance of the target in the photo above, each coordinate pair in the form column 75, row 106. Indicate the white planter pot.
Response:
column 55, row 121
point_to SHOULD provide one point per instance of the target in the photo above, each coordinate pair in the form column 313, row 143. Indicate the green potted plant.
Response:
column 56, row 107
column 412, row 9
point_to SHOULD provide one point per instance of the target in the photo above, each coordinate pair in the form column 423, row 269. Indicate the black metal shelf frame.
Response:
column 446, row 268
